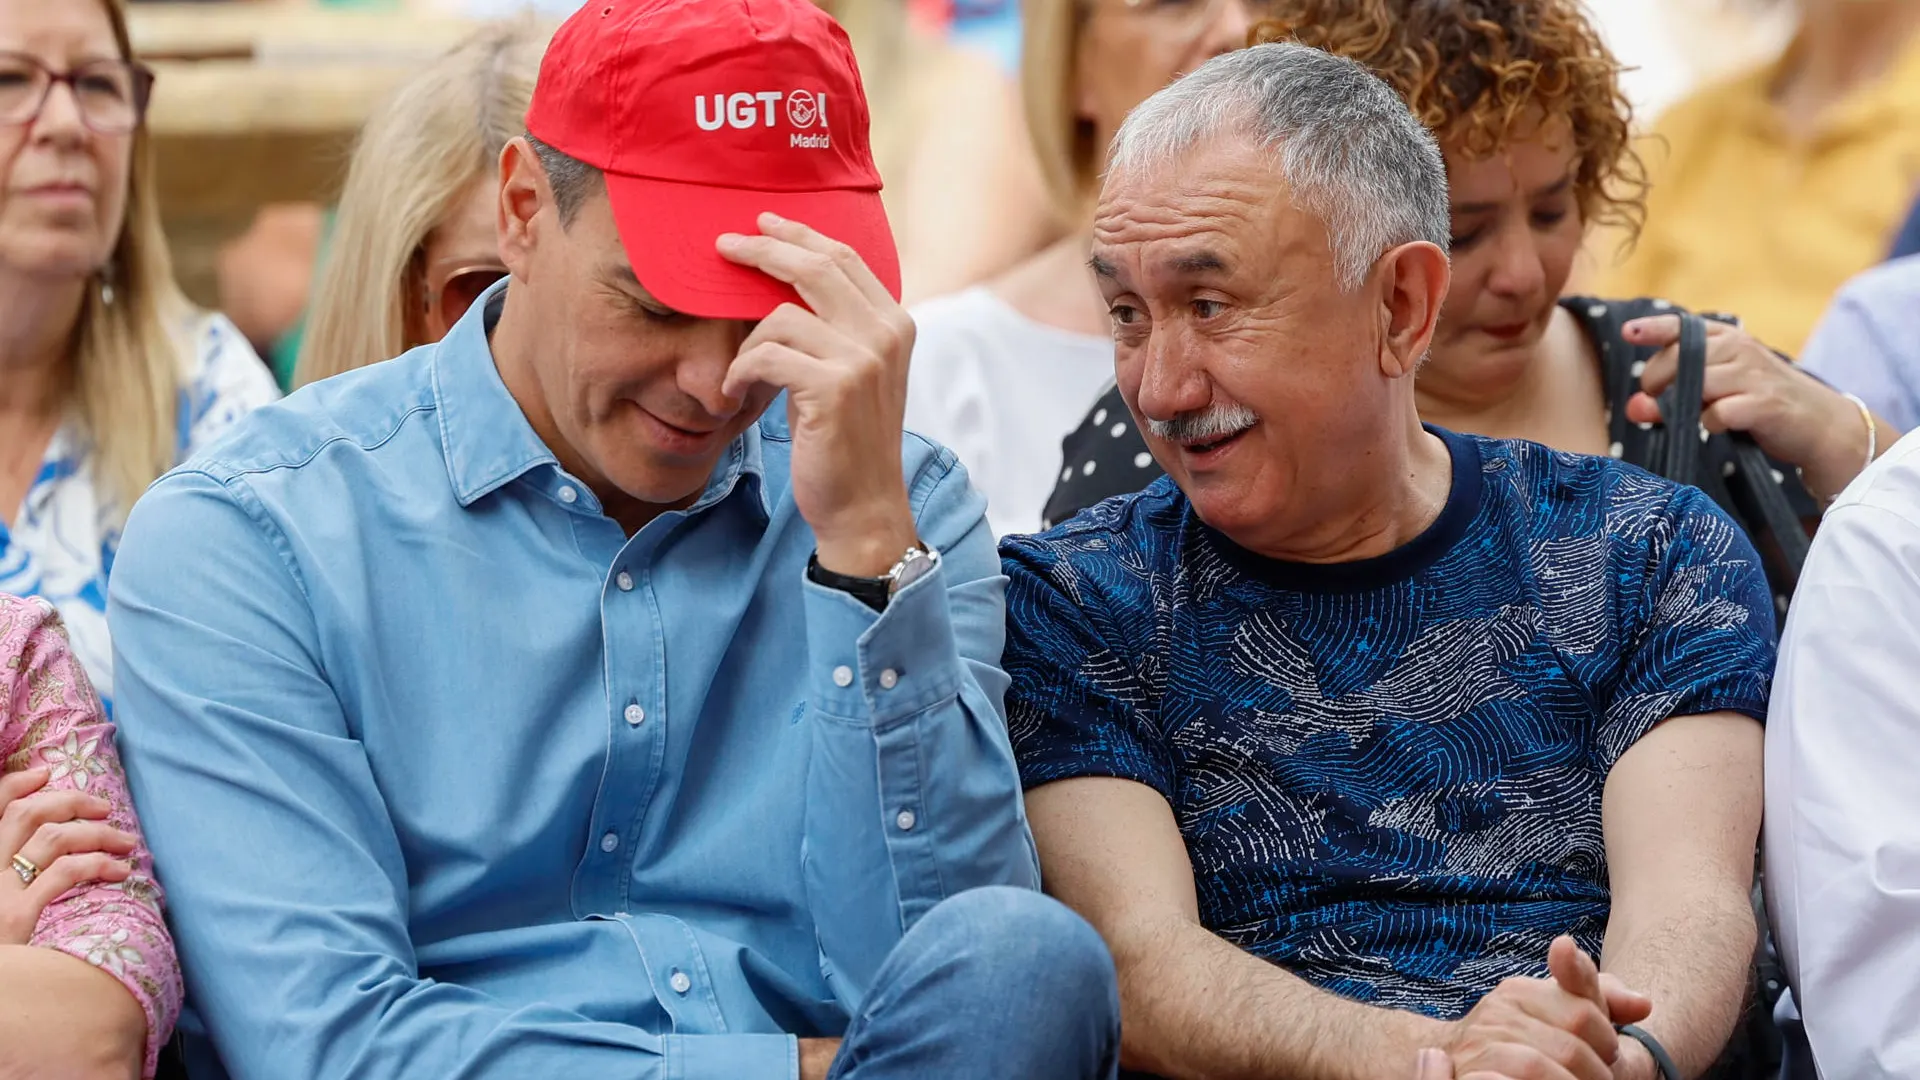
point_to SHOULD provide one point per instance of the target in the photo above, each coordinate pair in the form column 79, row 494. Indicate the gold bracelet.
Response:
column 1873, row 429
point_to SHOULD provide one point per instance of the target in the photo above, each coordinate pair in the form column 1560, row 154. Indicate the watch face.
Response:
column 918, row 564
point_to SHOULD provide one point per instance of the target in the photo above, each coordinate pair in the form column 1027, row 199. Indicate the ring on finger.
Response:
column 26, row 869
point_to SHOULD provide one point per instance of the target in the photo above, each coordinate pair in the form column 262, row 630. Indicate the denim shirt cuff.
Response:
column 725, row 1057
column 880, row 667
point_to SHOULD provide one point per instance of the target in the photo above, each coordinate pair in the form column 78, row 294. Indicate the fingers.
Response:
column 798, row 331
column 72, row 871
column 22, row 818
column 830, row 276
column 774, row 363
column 1654, row 331
column 1574, row 970
column 1624, row 1005
column 62, row 838
column 1433, row 1065
column 1544, row 1002
column 19, row 785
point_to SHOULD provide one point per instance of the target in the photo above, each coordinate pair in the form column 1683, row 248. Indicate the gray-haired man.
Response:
column 1357, row 738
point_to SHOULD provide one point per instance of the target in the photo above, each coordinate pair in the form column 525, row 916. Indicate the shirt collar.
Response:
column 484, row 435
column 744, row 461
column 488, row 443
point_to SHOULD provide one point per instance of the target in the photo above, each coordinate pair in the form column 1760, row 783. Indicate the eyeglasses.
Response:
column 1190, row 18
column 112, row 95
column 449, row 295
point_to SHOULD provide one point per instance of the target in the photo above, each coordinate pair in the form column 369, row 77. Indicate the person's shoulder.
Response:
column 1884, row 289
column 1564, row 489
column 1139, row 529
column 223, row 379
column 361, row 410
column 25, row 618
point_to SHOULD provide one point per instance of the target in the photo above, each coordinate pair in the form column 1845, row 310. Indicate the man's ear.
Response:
column 1414, row 278
column 524, row 192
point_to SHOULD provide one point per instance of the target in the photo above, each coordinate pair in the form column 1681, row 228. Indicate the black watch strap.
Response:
column 1668, row 1070
column 871, row 591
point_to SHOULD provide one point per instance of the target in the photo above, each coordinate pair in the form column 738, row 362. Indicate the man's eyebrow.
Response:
column 1200, row 262
column 1102, row 268
column 1557, row 187
column 625, row 275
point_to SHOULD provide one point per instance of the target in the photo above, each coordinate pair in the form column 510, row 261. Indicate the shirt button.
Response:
column 889, row 679
column 610, row 843
column 567, row 494
column 680, row 983
column 636, row 715
column 906, row 821
column 843, row 676
column 625, row 581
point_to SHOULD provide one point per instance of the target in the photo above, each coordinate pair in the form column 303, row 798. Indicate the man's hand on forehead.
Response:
column 842, row 359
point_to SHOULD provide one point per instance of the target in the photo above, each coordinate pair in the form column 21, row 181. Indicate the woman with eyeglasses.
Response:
column 108, row 376
column 1003, row 371
column 413, row 243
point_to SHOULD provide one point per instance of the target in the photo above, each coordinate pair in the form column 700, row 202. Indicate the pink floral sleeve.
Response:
column 53, row 718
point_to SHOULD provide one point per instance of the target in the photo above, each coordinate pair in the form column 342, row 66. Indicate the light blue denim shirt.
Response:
column 447, row 776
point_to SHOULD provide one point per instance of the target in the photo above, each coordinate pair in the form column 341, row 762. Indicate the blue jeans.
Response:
column 993, row 984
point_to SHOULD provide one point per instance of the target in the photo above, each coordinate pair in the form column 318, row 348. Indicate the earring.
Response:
column 106, row 284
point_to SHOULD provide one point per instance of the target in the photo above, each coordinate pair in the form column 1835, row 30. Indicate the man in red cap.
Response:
column 541, row 703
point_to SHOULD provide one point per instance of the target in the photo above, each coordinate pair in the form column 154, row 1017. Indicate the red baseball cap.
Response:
column 703, row 114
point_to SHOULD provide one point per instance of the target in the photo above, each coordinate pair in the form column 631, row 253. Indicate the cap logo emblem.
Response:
column 803, row 109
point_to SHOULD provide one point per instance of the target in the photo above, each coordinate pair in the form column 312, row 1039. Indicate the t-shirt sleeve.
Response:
column 1700, row 632
column 1077, row 706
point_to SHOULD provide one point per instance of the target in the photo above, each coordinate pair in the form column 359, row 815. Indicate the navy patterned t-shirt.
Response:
column 1388, row 773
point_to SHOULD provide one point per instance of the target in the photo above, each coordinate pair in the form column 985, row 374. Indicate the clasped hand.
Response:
column 1560, row 1027
column 842, row 359
column 64, row 835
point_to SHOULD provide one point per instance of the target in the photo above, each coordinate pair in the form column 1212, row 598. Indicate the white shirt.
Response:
column 1843, row 779
column 1001, row 391
column 66, row 531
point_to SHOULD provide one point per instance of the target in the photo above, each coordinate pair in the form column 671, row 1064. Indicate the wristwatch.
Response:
column 876, row 592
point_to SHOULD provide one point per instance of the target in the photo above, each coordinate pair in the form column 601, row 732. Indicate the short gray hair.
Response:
column 573, row 181
column 1351, row 151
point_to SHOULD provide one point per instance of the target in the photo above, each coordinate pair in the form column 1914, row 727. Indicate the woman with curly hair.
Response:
column 1525, row 100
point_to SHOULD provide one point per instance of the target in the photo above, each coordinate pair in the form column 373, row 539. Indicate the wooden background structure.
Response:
column 258, row 103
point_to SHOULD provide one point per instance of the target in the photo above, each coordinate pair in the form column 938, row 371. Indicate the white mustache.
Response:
column 1216, row 423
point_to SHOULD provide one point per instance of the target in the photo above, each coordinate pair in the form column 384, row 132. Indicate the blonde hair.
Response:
column 1049, row 72
column 438, row 134
column 127, row 368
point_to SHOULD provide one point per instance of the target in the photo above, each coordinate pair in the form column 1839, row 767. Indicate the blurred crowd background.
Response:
column 258, row 102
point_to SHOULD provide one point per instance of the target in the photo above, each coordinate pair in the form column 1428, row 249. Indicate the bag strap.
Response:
column 1747, row 468
column 1682, row 403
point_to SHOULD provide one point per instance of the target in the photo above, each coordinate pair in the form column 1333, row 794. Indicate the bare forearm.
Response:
column 1694, row 964
column 62, row 1017
column 1197, row 1007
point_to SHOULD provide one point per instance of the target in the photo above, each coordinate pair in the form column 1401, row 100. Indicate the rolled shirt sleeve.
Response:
column 912, row 794
column 53, row 721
